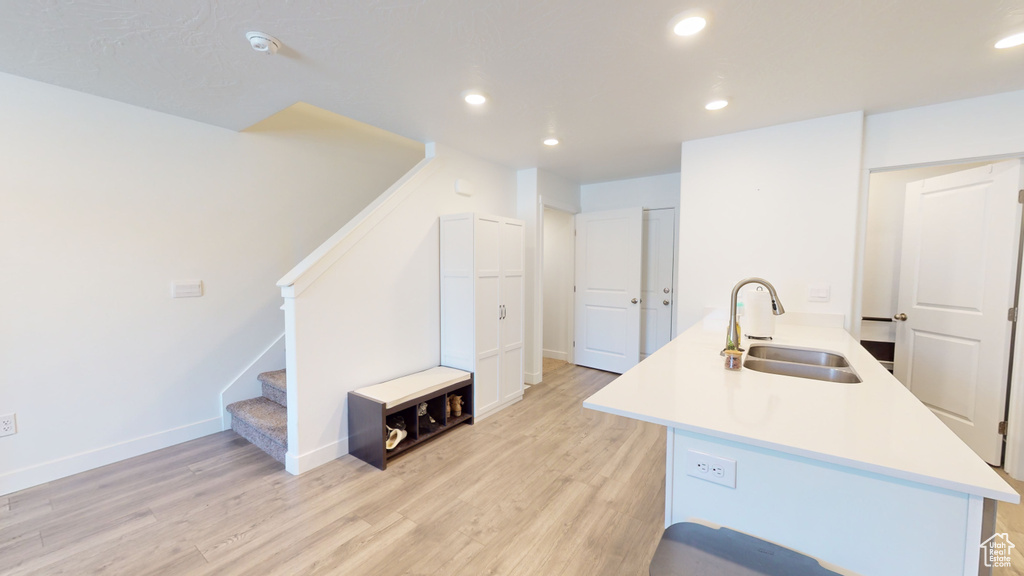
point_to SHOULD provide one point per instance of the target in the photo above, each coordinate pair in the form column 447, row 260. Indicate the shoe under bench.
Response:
column 370, row 407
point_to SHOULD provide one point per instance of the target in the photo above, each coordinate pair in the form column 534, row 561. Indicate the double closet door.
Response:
column 482, row 284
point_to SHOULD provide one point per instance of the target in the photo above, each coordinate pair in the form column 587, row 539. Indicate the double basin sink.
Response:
column 800, row 363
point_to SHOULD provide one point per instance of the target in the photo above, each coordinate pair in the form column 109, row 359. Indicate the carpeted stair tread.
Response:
column 274, row 386
column 265, row 416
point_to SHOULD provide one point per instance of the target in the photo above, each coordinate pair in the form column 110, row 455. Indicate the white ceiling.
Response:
column 605, row 76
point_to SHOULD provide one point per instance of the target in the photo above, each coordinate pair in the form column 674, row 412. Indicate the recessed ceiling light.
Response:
column 689, row 26
column 716, row 104
column 475, row 98
column 1011, row 41
column 551, row 142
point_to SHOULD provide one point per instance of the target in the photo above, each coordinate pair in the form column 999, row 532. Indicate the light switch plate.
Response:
column 187, row 289
column 463, row 188
column 819, row 293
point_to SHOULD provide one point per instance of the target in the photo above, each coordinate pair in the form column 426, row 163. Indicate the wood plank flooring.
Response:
column 541, row 488
column 1010, row 520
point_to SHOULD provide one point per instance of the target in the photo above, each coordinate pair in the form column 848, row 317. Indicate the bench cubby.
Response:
column 370, row 408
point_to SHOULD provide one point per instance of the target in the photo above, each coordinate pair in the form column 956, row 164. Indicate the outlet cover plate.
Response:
column 711, row 468
column 8, row 425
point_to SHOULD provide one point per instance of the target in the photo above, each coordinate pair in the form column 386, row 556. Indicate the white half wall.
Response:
column 103, row 205
column 559, row 265
column 780, row 203
column 374, row 314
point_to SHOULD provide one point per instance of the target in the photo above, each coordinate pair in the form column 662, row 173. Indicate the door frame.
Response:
column 1013, row 449
column 570, row 329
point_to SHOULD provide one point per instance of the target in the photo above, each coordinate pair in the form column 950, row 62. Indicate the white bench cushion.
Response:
column 399, row 390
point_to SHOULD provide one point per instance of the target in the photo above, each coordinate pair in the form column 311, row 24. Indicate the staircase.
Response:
column 264, row 420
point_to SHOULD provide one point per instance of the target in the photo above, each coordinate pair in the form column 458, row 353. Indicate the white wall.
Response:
column 559, row 264
column 780, row 203
column 374, row 314
column 557, row 192
column 102, row 205
column 649, row 192
column 977, row 128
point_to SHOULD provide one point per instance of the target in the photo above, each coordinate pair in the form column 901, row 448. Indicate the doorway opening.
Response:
column 939, row 274
column 558, row 262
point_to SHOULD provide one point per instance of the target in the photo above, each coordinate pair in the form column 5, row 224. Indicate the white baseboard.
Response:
column 246, row 386
column 295, row 464
column 496, row 409
column 556, row 355
column 532, row 377
column 69, row 465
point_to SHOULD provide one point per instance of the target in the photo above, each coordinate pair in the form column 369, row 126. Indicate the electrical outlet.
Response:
column 711, row 468
column 7, row 425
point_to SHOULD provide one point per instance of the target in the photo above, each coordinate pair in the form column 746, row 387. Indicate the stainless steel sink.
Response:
column 798, row 355
column 801, row 363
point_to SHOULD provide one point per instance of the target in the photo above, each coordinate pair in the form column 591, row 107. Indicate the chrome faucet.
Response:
column 732, row 340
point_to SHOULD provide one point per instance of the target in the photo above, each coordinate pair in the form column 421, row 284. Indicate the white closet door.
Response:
column 488, row 312
column 513, row 271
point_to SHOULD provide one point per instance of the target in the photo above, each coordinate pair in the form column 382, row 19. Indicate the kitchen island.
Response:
column 861, row 475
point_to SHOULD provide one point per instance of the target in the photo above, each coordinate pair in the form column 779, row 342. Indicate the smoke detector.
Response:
column 261, row 42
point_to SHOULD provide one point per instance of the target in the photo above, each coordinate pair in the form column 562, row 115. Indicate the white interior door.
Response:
column 656, row 285
column 608, row 270
column 957, row 282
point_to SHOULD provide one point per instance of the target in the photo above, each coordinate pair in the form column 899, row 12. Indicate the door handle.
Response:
column 666, row 290
column 634, row 300
column 901, row 317
column 665, row 302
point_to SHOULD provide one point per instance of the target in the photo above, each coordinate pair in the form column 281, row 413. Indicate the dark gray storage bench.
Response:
column 370, row 407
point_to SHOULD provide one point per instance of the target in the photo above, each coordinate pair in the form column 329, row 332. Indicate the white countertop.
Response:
column 877, row 425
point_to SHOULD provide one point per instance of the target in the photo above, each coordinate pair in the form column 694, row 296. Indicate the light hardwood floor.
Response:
column 1010, row 519
column 541, row 488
